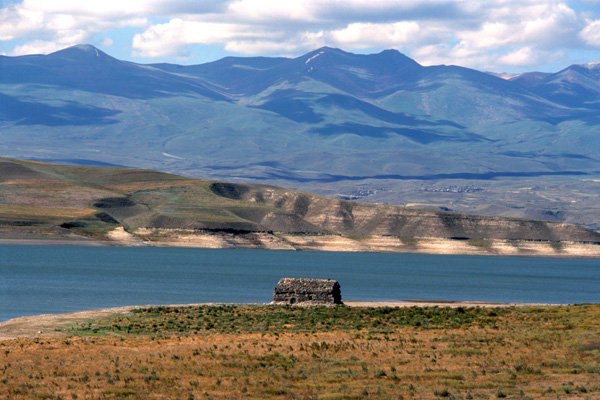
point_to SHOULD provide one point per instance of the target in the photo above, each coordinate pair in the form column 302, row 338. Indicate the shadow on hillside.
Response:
column 70, row 113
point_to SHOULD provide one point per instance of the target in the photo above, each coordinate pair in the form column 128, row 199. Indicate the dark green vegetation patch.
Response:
column 279, row 319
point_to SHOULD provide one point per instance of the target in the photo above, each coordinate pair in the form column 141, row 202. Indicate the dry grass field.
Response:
column 258, row 352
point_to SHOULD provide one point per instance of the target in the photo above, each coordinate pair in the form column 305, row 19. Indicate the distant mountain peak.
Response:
column 393, row 52
column 81, row 51
column 394, row 56
column 327, row 49
column 386, row 58
column 592, row 65
column 84, row 47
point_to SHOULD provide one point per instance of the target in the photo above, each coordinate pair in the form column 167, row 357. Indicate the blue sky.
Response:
column 490, row 35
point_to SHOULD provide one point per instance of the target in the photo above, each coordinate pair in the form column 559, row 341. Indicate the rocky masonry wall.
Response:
column 307, row 290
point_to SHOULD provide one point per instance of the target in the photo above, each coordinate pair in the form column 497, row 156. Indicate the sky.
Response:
column 489, row 35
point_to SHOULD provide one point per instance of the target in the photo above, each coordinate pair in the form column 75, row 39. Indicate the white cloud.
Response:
column 107, row 42
column 541, row 25
column 118, row 8
column 75, row 7
column 491, row 34
column 58, row 24
column 169, row 38
column 368, row 35
column 36, row 47
column 591, row 33
column 271, row 10
column 523, row 57
column 510, row 34
column 486, row 34
column 261, row 47
column 15, row 24
column 433, row 54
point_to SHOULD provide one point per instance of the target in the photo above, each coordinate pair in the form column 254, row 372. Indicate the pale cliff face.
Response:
column 320, row 214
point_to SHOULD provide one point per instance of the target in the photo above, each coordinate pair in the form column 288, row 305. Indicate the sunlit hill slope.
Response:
column 141, row 207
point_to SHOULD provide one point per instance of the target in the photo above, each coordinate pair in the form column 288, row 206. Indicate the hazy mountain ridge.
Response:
column 574, row 86
column 326, row 117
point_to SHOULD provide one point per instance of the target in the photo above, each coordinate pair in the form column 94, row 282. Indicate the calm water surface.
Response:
column 56, row 279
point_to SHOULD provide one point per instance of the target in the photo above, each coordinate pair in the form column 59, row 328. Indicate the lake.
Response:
column 57, row 279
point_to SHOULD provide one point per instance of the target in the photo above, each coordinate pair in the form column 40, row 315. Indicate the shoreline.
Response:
column 45, row 325
column 333, row 243
column 58, row 242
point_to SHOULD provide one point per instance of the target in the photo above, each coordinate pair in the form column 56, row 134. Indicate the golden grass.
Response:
column 25, row 211
column 529, row 353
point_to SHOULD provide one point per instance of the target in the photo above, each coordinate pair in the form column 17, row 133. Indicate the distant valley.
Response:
column 377, row 128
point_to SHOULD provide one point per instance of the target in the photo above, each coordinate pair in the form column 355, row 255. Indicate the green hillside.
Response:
column 40, row 200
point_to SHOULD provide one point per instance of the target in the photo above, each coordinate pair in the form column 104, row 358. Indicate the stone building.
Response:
column 307, row 291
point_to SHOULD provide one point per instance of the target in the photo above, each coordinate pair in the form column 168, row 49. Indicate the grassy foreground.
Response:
column 237, row 352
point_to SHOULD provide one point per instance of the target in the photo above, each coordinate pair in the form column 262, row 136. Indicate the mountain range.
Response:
column 378, row 127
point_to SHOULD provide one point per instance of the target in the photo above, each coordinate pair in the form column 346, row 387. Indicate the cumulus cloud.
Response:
column 367, row 35
column 591, row 33
column 119, row 8
column 58, row 24
column 107, row 42
column 271, row 10
column 37, row 47
column 169, row 38
column 510, row 34
column 295, row 26
column 482, row 34
column 526, row 56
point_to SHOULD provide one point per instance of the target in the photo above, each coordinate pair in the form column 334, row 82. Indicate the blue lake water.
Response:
column 56, row 279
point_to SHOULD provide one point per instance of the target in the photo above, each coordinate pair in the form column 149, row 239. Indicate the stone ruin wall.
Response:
column 307, row 291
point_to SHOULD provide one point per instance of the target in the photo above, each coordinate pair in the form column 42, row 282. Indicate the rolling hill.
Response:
column 379, row 127
column 140, row 207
